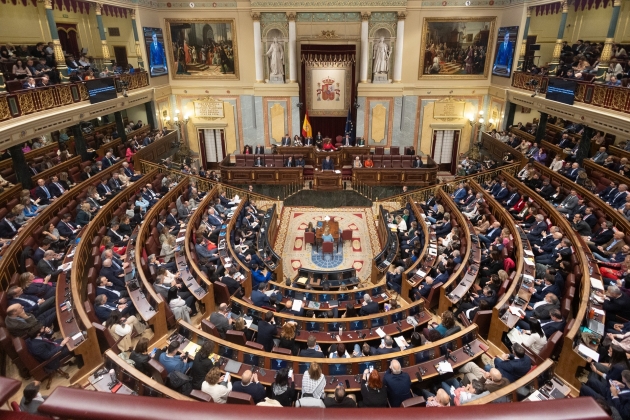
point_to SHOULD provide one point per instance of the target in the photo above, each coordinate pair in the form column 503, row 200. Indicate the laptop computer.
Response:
column 596, row 326
column 232, row 366
column 130, row 275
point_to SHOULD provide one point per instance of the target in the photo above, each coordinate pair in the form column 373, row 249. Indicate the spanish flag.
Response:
column 307, row 130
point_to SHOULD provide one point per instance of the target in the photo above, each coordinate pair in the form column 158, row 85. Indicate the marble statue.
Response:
column 276, row 58
column 380, row 54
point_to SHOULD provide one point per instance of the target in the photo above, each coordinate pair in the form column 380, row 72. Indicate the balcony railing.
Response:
column 29, row 101
column 599, row 95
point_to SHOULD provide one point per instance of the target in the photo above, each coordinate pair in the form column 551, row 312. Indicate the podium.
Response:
column 327, row 180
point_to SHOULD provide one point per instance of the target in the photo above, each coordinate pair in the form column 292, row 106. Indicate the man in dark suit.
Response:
column 308, row 141
column 424, row 288
column 230, row 282
column 103, row 309
column 540, row 310
column 360, row 141
column 43, row 349
column 319, row 137
column 48, row 267
column 66, row 228
column 443, row 229
column 114, row 183
column 547, row 244
column 618, row 199
column 398, row 384
column 220, row 319
column 259, row 297
column 512, row 200
column 172, row 220
column 562, row 252
column 114, row 275
column 118, row 239
column 43, row 309
column 289, row 162
column 590, row 218
column 43, row 193
column 502, row 193
column 555, row 323
column 394, row 279
column 580, row 226
column 29, row 83
column 618, row 398
column 55, row 187
column 328, row 164
column 547, row 190
column 267, row 330
column 513, row 366
column 105, row 288
column 602, row 236
column 9, row 227
column 104, row 190
column 493, row 231
column 535, row 233
column 611, row 247
column 286, row 140
column 346, row 141
column 617, row 304
column 368, row 306
column 213, row 218
column 386, row 347
column 548, row 286
column 312, row 350
column 259, row 150
column 609, row 192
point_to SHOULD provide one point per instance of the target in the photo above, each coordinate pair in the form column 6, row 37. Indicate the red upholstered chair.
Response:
column 309, row 238
column 379, row 150
column 255, row 345
column 327, row 247
column 36, row 369
column 221, row 293
column 210, row 328
column 346, row 235
column 240, row 398
column 394, row 150
column 236, row 337
column 15, row 406
column 281, row 350
column 157, row 371
column 200, row 396
column 338, row 141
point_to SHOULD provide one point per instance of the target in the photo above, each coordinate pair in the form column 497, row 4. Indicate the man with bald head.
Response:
column 113, row 275
column 22, row 324
column 440, row 399
column 249, row 384
column 492, row 380
column 398, row 384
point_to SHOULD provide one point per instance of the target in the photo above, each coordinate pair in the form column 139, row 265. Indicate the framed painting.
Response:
column 202, row 48
column 456, row 48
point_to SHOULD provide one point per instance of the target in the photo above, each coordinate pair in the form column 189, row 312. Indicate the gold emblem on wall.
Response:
column 328, row 35
column 449, row 109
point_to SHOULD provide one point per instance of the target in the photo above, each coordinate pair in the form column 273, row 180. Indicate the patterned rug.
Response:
column 357, row 253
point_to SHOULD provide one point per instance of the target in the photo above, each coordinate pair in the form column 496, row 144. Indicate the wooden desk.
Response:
column 327, row 180
column 334, row 231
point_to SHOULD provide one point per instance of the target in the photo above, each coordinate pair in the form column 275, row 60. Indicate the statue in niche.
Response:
column 276, row 58
column 380, row 57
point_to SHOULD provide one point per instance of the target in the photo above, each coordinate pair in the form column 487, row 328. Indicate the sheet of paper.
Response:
column 402, row 343
column 597, row 284
column 380, row 332
column 180, row 239
column 297, row 305
column 587, row 352
column 444, row 367
column 432, row 251
column 421, row 273
column 528, row 277
column 77, row 336
column 516, row 311
column 529, row 262
column 192, row 349
column 529, row 253
column 599, row 311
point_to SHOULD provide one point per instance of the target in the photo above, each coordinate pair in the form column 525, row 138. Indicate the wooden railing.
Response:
column 29, row 101
column 409, row 272
column 158, row 150
column 82, row 262
column 598, row 95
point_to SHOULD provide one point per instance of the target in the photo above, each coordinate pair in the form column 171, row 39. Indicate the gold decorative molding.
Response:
column 277, row 112
column 291, row 16
column 98, row 8
column 328, row 60
column 209, row 108
column 402, row 15
column 48, row 4
column 328, row 35
column 133, row 14
column 365, row 16
column 565, row 7
column 529, row 12
column 255, row 16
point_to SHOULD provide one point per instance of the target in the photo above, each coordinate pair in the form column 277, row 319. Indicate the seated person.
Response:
column 328, row 164
column 172, row 362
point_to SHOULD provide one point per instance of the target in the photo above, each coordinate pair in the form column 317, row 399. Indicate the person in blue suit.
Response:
column 459, row 193
column 493, row 232
column 172, row 362
column 505, row 55
column 328, row 164
column 619, row 199
column 513, row 366
column 549, row 285
column 502, row 193
column 259, row 276
column 43, row 349
column 394, row 279
column 535, row 233
column 512, row 200
column 555, row 323
column 157, row 58
column 445, row 228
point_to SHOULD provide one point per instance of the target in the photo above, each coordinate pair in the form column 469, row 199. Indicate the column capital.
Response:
column 255, row 16
column 48, row 4
column 98, row 8
column 529, row 12
column 616, row 3
column 291, row 16
column 365, row 16
column 133, row 14
column 402, row 15
column 565, row 7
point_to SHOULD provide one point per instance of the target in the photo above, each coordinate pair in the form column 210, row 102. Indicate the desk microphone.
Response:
column 112, row 376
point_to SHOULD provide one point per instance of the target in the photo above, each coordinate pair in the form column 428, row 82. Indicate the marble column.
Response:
column 22, row 172
column 610, row 36
column 555, row 59
column 98, row 7
column 364, row 47
column 59, row 58
column 151, row 113
column 292, row 48
column 134, row 27
column 585, row 145
column 400, row 35
column 542, row 124
column 120, row 126
column 260, row 78
column 521, row 55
